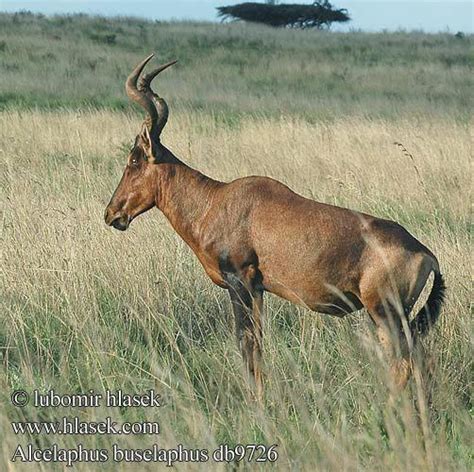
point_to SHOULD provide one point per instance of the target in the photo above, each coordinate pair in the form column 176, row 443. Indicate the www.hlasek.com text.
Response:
column 75, row 426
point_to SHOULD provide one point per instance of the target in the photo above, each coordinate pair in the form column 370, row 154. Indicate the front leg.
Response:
column 246, row 294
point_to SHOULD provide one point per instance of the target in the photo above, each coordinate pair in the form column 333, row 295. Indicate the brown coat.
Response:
column 254, row 234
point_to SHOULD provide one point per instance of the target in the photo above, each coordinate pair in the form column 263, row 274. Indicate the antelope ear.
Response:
column 148, row 144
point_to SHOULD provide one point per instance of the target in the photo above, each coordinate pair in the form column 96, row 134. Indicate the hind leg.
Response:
column 392, row 336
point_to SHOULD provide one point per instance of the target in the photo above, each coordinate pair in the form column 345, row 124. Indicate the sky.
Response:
column 374, row 15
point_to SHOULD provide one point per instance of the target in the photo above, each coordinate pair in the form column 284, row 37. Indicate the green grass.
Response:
column 79, row 61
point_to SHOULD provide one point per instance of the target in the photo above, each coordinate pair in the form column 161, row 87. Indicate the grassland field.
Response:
column 85, row 307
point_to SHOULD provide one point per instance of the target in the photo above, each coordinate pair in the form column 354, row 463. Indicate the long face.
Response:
column 136, row 191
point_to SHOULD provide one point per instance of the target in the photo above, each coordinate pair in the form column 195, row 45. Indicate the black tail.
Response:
column 428, row 315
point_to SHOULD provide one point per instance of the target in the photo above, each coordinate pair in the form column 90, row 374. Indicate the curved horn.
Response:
column 161, row 105
column 139, row 96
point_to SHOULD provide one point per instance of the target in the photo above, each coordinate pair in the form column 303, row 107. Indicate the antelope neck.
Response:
column 184, row 195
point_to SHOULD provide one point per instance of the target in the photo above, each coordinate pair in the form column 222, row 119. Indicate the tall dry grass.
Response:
column 85, row 307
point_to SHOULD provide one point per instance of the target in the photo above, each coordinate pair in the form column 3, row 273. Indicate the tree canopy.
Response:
column 319, row 15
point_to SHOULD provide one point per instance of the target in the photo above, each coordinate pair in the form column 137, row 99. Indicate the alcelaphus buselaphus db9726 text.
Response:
column 254, row 235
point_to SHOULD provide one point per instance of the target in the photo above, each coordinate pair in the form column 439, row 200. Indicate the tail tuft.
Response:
column 427, row 316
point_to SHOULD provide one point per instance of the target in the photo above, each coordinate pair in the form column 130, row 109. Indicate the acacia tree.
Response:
column 320, row 14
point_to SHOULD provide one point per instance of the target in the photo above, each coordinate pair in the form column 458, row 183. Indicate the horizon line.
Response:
column 122, row 16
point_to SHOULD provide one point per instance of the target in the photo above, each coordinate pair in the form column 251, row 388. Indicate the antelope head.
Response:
column 136, row 191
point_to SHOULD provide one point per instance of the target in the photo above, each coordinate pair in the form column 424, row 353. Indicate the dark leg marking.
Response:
column 246, row 294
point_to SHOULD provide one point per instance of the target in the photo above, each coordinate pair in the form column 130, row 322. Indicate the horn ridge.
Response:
column 142, row 94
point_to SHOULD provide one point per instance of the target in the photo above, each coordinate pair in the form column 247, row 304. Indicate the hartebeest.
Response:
column 254, row 235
